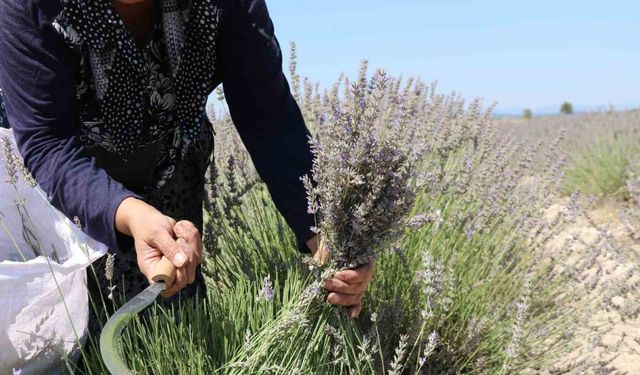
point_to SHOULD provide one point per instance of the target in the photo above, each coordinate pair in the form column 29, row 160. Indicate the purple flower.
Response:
column 267, row 289
column 470, row 232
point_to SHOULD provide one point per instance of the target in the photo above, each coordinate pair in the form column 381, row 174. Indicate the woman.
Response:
column 106, row 100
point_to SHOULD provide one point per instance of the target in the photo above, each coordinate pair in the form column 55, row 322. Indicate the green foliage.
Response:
column 596, row 148
column 527, row 114
column 467, row 292
column 234, row 330
column 566, row 108
column 600, row 168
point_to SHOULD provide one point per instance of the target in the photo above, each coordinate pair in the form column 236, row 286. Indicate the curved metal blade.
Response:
column 109, row 339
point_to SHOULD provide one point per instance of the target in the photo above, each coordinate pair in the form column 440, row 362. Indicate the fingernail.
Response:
column 330, row 297
column 179, row 260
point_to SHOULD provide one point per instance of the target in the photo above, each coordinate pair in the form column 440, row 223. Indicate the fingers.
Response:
column 319, row 251
column 321, row 256
column 188, row 231
column 346, row 300
column 191, row 235
column 359, row 275
column 179, row 283
column 159, row 235
column 190, row 268
column 348, row 287
column 177, row 253
column 169, row 247
column 170, row 220
column 184, row 275
column 190, row 240
column 354, row 311
column 338, row 286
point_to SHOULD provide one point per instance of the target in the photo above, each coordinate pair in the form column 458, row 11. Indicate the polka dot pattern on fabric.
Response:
column 138, row 100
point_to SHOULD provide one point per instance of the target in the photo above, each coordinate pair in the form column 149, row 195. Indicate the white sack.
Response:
column 43, row 300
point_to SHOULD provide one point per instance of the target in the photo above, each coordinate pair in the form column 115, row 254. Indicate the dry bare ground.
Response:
column 603, row 255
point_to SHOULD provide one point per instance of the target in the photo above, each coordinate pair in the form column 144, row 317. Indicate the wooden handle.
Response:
column 164, row 272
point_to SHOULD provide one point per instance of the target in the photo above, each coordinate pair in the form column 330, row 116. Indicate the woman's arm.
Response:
column 37, row 76
column 273, row 130
column 264, row 112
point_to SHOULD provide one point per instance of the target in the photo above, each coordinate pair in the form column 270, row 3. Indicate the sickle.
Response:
column 163, row 276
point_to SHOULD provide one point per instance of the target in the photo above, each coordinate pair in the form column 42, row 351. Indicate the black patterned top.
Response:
column 98, row 118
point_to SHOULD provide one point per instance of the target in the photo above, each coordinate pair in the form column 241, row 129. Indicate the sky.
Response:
column 533, row 54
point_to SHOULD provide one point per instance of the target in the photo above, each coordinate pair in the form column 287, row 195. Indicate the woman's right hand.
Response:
column 154, row 236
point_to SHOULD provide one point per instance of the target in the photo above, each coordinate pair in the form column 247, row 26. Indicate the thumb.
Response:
column 171, row 249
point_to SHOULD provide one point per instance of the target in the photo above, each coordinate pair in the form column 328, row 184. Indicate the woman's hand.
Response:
column 346, row 288
column 156, row 235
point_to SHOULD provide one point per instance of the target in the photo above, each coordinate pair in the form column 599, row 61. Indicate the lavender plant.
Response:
column 481, row 230
column 478, row 267
column 599, row 148
column 364, row 178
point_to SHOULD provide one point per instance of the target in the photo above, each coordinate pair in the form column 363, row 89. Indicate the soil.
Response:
column 607, row 339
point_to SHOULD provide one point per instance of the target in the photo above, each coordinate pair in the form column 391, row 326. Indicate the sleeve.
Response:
column 37, row 77
column 264, row 111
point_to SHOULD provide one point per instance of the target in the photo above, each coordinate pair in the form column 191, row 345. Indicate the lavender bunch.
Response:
column 362, row 187
column 364, row 176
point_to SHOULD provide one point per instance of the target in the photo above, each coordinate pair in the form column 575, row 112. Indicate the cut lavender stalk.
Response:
column 364, row 177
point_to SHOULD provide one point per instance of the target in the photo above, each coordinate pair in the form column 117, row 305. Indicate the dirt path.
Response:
column 607, row 339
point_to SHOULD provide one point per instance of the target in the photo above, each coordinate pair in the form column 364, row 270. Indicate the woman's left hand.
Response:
column 188, row 232
column 346, row 288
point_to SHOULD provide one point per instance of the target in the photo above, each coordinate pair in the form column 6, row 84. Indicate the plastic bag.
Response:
column 43, row 259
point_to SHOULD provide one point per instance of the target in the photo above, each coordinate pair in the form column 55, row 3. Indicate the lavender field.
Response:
column 509, row 246
column 501, row 246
